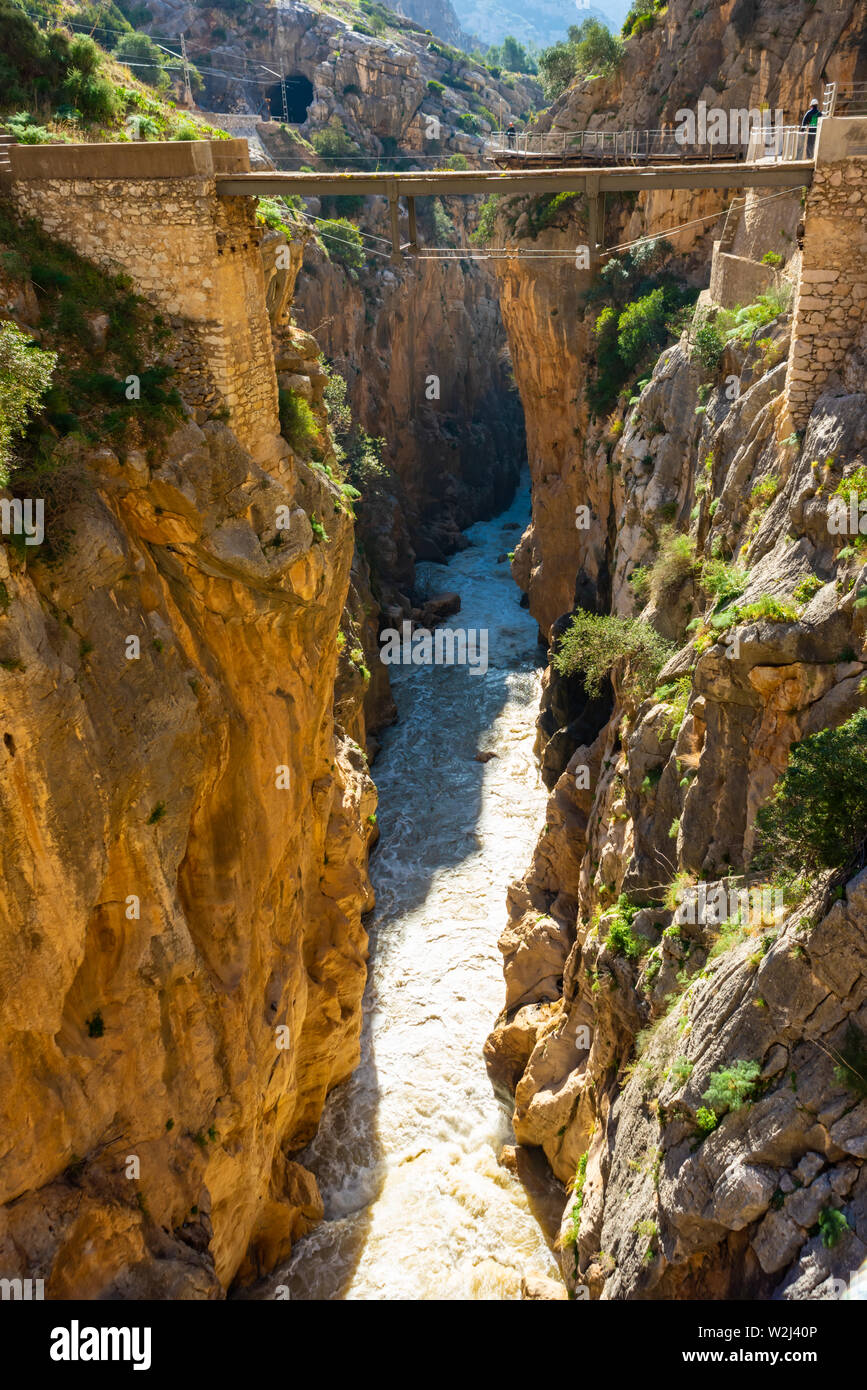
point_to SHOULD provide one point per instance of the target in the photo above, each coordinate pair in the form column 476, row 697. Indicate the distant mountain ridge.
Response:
column 542, row 23
column 437, row 15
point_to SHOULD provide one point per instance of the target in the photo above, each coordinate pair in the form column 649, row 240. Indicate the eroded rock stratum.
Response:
column 622, row 1017
column 185, row 850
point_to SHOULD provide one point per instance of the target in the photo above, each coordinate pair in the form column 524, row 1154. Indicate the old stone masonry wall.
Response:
column 193, row 255
column 831, row 308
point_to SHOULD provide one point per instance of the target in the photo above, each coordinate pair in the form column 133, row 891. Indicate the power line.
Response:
column 105, row 28
column 711, row 217
column 369, row 250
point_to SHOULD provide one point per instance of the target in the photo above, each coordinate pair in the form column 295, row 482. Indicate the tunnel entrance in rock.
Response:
column 298, row 93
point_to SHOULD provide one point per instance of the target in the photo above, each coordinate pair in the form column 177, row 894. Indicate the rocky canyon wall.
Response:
column 623, row 1014
column 736, row 56
column 184, row 863
column 423, row 351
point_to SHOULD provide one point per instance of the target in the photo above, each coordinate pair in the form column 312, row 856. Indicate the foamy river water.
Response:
column 416, row 1205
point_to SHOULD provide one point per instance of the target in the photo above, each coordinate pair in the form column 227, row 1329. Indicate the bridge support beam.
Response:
column 394, row 210
column 595, row 214
column 413, row 229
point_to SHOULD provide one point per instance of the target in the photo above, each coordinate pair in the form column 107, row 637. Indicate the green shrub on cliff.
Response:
column 367, row 472
column 832, row 1226
column 641, row 17
column 25, row 375
column 468, row 123
column 572, row 1232
column 333, row 141
column 487, row 220
column 297, row 421
column 674, row 564
column 817, row 816
column 542, row 212
column 723, row 581
column 709, row 342
column 84, row 400
column 591, row 50
column 644, row 308
column 621, row 939
column 593, row 646
column 342, row 241
column 732, row 1087
column 36, row 67
column 280, row 213
column 749, row 317
column 148, row 60
column 641, row 326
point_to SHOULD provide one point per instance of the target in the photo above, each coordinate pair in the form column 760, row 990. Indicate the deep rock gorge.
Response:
column 191, row 694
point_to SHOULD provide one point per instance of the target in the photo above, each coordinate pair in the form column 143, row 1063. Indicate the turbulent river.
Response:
column 416, row 1204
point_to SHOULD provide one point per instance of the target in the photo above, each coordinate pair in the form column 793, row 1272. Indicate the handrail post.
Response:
column 830, row 99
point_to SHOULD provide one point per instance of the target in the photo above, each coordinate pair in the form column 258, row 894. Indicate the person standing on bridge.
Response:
column 810, row 123
column 510, row 135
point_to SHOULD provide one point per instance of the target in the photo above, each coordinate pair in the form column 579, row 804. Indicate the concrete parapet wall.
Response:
column 841, row 137
column 193, row 255
column 158, row 159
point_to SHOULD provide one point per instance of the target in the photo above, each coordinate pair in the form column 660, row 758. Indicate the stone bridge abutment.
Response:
column 151, row 211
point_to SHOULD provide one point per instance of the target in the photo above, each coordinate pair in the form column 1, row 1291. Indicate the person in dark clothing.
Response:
column 810, row 123
column 510, row 135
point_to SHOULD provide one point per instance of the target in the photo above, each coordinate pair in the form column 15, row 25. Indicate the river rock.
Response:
column 539, row 1288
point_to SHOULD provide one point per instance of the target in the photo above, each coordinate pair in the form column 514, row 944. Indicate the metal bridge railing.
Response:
column 612, row 146
column 780, row 144
column 845, row 101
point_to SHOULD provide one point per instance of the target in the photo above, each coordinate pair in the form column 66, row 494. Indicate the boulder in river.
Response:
column 440, row 607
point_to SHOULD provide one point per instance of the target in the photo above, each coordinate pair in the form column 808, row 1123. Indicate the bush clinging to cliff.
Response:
column 672, row 566
column 591, row 50
column 640, row 327
column 594, row 645
column 641, row 17
column 333, row 141
column 748, row 317
column 709, row 342
column 297, row 421
column 817, row 816
column 644, row 305
column 25, row 375
column 342, row 241
column 487, row 220
column 733, row 1087
column 34, row 66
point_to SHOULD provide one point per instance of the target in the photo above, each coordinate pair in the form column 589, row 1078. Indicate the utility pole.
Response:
column 282, row 90
column 188, row 91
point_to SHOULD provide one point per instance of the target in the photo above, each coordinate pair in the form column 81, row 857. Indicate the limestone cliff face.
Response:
column 377, row 84
column 741, row 54
column 422, row 349
column 735, row 56
column 437, row 15
column 609, row 1054
column 184, row 869
column 663, row 799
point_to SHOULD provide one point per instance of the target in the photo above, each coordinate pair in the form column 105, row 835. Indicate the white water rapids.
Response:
column 416, row 1205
